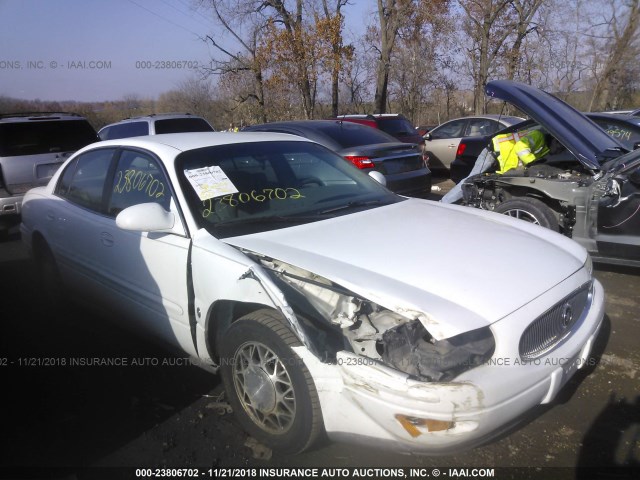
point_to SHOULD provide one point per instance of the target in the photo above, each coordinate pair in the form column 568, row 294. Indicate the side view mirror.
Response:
column 146, row 217
column 378, row 177
column 636, row 145
column 427, row 136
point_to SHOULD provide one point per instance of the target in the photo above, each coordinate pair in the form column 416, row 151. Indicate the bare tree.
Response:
column 391, row 14
column 415, row 62
column 245, row 28
column 289, row 45
column 486, row 29
column 525, row 13
column 331, row 29
column 131, row 105
column 559, row 66
column 193, row 95
column 615, row 53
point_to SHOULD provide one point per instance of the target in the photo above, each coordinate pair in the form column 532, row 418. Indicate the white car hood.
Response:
column 454, row 268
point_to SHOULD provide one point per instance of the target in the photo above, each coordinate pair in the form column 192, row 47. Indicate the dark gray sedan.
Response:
column 624, row 128
column 402, row 164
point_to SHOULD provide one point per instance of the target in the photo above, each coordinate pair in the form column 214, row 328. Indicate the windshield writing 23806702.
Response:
column 235, row 199
column 137, row 180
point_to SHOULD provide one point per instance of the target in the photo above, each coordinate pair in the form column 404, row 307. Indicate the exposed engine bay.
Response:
column 555, row 180
column 336, row 319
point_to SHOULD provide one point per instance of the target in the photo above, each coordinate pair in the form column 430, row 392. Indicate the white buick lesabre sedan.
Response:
column 327, row 302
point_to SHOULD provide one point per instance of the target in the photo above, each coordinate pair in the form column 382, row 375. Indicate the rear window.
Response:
column 37, row 137
column 180, row 125
column 125, row 130
column 396, row 126
column 349, row 135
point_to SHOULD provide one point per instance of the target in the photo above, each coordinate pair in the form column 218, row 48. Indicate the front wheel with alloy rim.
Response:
column 530, row 210
column 269, row 387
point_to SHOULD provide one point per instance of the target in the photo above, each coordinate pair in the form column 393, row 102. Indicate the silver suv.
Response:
column 155, row 124
column 32, row 147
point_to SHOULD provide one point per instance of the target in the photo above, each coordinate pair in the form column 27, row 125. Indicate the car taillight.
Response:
column 461, row 149
column 360, row 162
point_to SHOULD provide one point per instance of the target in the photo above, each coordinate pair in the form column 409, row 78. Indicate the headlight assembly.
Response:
column 588, row 264
column 411, row 349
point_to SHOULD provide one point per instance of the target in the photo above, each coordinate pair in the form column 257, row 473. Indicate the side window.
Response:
column 481, row 127
column 493, row 127
column 65, row 179
column 138, row 179
column 82, row 181
column 453, row 129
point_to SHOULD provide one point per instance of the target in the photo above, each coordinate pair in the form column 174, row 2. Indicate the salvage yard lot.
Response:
column 138, row 413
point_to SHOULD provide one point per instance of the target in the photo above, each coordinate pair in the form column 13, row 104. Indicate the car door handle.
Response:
column 50, row 215
column 106, row 239
column 453, row 145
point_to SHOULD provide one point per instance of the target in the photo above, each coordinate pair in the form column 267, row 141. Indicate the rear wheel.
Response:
column 530, row 210
column 270, row 389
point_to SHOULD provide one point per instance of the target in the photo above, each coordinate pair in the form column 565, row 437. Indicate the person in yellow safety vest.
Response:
column 516, row 151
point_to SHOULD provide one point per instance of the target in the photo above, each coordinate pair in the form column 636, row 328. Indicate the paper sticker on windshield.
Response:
column 210, row 182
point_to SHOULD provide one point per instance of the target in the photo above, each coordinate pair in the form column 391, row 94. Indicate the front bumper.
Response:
column 362, row 400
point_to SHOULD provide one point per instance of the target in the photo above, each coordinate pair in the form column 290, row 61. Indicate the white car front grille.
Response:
column 557, row 323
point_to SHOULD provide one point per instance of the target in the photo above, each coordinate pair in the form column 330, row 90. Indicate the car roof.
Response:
column 298, row 123
column 622, row 117
column 320, row 131
column 491, row 116
column 149, row 118
column 26, row 117
column 194, row 140
column 310, row 125
column 157, row 116
column 371, row 115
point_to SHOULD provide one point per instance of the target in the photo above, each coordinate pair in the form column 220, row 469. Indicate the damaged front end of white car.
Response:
column 381, row 377
column 397, row 340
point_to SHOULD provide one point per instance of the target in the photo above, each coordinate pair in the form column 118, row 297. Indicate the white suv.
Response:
column 32, row 147
column 155, row 124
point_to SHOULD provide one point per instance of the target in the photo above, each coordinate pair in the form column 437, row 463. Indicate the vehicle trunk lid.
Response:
column 389, row 158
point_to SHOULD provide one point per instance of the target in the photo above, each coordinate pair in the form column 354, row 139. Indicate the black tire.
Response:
column 530, row 210
column 50, row 282
column 283, row 414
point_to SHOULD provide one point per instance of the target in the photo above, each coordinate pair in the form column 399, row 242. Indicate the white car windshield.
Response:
column 246, row 188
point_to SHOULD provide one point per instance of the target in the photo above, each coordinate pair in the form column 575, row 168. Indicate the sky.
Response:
column 97, row 50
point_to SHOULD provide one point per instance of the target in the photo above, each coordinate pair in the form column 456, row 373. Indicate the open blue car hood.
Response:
column 584, row 139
